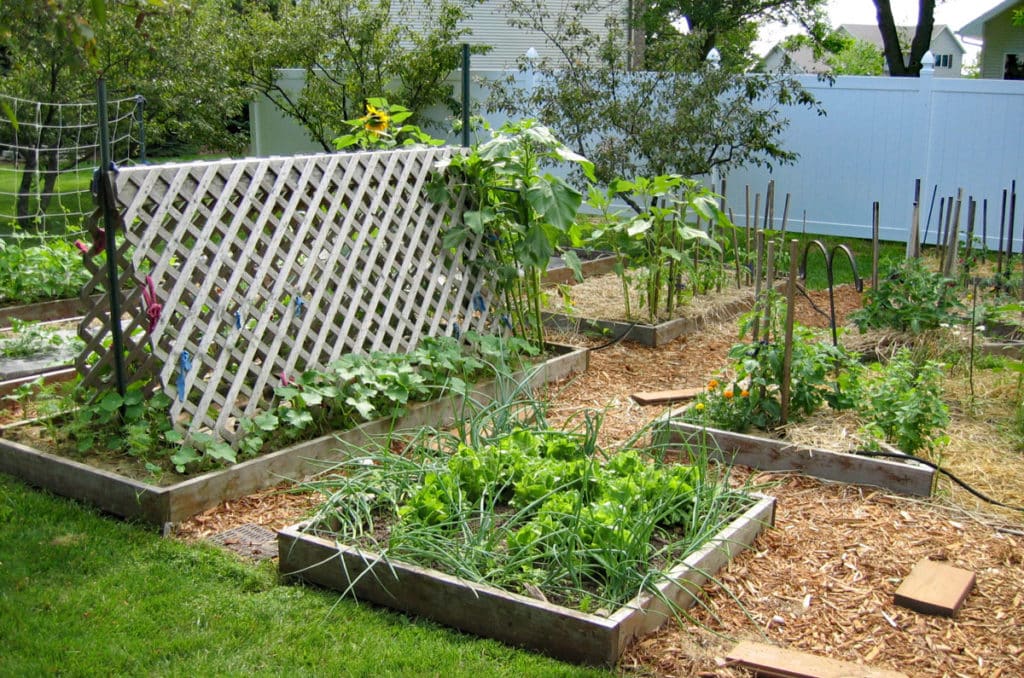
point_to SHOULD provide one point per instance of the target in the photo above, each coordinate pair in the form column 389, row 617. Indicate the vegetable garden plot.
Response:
column 242, row 273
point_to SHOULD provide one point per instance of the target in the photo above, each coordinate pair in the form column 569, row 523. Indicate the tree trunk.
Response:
column 50, row 174
column 891, row 40
column 28, row 174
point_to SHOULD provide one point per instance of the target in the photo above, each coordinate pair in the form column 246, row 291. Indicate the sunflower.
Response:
column 376, row 120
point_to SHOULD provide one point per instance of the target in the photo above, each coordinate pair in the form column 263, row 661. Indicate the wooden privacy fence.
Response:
column 238, row 275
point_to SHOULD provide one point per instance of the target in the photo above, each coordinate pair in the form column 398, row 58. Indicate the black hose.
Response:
column 612, row 342
column 976, row 493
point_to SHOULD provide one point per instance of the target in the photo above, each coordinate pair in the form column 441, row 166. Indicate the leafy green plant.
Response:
column 382, row 127
column 522, row 213
column 911, row 298
column 135, row 424
column 905, row 404
column 30, row 338
column 527, row 506
column 657, row 239
column 32, row 270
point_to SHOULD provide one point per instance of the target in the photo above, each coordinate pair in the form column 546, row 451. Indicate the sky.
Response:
column 954, row 13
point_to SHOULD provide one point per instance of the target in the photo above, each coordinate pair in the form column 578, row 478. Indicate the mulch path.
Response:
column 822, row 580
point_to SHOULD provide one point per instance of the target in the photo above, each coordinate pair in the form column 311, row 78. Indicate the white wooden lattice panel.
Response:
column 268, row 267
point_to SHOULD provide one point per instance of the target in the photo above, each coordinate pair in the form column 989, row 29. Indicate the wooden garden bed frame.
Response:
column 515, row 619
column 768, row 454
column 129, row 498
column 44, row 311
column 647, row 334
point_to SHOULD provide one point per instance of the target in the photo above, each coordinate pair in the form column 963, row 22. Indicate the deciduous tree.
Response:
column 910, row 65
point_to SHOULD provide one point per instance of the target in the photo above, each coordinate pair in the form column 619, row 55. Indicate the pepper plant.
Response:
column 657, row 239
column 522, row 212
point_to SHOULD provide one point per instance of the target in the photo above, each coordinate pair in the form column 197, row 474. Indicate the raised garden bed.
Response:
column 661, row 333
column 129, row 498
column 511, row 618
column 768, row 454
column 592, row 263
column 43, row 311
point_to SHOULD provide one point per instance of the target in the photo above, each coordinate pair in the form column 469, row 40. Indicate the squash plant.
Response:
column 523, row 213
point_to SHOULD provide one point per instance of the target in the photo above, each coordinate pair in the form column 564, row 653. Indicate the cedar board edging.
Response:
column 56, row 309
column 908, row 477
column 134, row 499
column 646, row 334
column 515, row 619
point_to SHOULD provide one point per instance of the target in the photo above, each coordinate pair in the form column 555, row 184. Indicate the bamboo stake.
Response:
column 938, row 225
column 787, row 359
column 1002, row 232
column 769, row 281
column 785, row 214
column 1009, row 223
column 769, row 207
column 913, row 241
column 746, row 215
column 804, row 232
column 984, row 230
column 874, row 244
column 972, row 206
column 945, row 232
column 735, row 249
column 953, row 238
column 759, row 248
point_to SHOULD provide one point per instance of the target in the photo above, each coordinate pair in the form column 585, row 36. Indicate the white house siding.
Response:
column 944, row 43
column 1001, row 38
column 489, row 26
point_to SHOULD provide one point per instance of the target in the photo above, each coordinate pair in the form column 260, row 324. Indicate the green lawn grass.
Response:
column 64, row 211
column 82, row 594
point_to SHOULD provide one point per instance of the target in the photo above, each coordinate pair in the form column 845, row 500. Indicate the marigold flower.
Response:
column 699, row 406
column 713, row 384
column 744, row 393
column 376, row 120
column 727, row 394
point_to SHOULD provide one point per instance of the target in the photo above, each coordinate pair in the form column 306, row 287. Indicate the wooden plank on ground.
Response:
column 934, row 588
column 665, row 397
column 768, row 660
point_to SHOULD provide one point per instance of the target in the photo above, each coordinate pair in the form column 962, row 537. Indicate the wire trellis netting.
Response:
column 48, row 153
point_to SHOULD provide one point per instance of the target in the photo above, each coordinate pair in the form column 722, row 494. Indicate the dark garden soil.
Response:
column 823, row 580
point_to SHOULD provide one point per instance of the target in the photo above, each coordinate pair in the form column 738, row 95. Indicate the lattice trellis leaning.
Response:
column 241, row 273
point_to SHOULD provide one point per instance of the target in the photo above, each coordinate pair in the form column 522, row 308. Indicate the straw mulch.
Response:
column 823, row 580
column 600, row 297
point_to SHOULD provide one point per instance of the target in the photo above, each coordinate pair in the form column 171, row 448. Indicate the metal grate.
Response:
column 268, row 267
column 250, row 541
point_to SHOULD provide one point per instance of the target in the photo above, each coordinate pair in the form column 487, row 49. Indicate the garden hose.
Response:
column 612, row 342
column 976, row 493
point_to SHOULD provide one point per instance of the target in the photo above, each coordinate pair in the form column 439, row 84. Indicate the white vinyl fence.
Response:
column 878, row 136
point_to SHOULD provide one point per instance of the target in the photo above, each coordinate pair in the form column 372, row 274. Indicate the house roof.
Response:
column 975, row 27
column 802, row 59
column 871, row 33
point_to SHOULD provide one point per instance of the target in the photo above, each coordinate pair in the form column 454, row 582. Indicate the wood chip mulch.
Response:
column 822, row 581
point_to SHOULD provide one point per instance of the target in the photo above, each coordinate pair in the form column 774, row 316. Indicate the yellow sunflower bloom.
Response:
column 376, row 120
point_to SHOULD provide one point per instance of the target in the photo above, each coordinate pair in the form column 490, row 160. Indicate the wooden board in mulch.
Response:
column 823, row 580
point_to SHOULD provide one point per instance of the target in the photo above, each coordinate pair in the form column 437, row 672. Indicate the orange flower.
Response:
column 713, row 384
column 727, row 394
column 744, row 393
